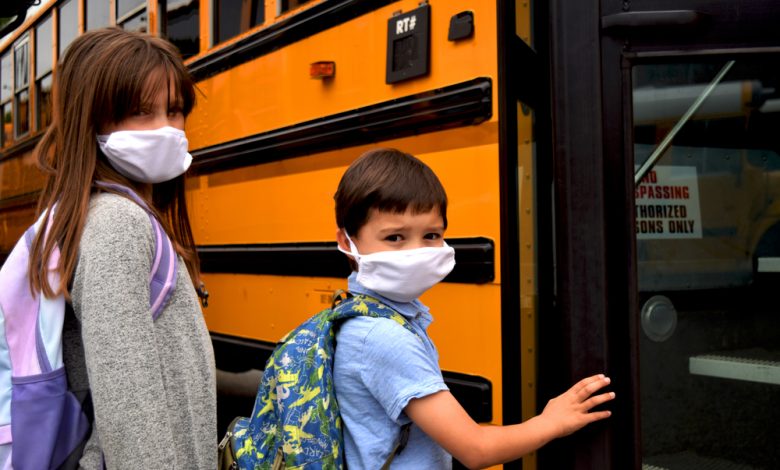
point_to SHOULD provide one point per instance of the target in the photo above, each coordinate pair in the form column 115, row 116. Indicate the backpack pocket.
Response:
column 47, row 421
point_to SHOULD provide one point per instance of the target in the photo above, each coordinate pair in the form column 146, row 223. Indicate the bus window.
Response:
column 97, row 13
column 68, row 24
column 286, row 5
column 181, row 25
column 126, row 7
column 131, row 15
column 6, row 93
column 43, row 64
column 22, row 86
column 233, row 17
column 136, row 23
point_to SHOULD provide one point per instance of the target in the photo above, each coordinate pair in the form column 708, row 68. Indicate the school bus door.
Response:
column 667, row 215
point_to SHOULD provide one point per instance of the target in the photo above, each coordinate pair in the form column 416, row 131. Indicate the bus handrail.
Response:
column 667, row 141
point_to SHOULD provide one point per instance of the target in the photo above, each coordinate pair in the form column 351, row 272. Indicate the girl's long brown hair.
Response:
column 104, row 77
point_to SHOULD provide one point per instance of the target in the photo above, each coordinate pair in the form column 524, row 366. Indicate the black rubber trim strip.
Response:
column 28, row 199
column 234, row 354
column 474, row 258
column 474, row 393
column 309, row 22
column 456, row 105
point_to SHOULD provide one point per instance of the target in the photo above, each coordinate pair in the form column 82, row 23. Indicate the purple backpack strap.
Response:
column 166, row 263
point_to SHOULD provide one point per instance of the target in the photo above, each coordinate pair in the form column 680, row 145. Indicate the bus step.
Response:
column 768, row 264
column 752, row 365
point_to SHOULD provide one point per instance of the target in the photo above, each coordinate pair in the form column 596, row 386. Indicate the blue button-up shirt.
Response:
column 379, row 367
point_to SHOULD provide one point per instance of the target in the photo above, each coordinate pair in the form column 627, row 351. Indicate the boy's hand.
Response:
column 570, row 411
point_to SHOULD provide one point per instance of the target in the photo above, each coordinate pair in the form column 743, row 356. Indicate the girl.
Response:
column 120, row 102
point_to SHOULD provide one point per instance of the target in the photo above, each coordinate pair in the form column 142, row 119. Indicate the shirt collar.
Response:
column 411, row 310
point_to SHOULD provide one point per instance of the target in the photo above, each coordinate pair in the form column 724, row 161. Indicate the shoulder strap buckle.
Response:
column 338, row 297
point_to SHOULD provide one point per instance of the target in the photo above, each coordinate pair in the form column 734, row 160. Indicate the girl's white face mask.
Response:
column 150, row 156
column 402, row 275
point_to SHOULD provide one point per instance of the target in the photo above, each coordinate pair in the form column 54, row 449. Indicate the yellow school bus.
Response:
column 612, row 171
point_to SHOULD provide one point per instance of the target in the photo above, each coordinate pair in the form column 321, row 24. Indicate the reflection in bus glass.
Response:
column 96, row 13
column 68, row 24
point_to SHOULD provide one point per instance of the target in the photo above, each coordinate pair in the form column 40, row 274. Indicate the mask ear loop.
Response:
column 353, row 249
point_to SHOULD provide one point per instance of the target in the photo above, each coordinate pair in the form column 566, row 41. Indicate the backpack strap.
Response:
column 166, row 262
column 362, row 305
column 338, row 297
column 403, row 439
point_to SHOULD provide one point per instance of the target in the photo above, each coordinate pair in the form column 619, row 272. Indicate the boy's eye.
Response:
column 393, row 238
column 175, row 111
column 432, row 236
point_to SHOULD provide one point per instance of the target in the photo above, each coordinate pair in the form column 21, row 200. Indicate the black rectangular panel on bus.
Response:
column 407, row 44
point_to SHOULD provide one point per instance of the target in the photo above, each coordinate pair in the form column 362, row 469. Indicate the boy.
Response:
column 391, row 212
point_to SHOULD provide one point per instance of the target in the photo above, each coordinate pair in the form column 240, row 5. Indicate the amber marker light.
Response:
column 322, row 69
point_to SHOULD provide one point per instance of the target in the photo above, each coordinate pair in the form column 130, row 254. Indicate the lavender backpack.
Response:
column 41, row 422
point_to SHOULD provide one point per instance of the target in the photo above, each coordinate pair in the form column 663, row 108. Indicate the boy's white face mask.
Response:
column 149, row 156
column 402, row 275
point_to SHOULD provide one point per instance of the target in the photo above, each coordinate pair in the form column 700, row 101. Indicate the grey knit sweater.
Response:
column 152, row 383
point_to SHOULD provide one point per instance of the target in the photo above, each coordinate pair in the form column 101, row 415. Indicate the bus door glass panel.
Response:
column 708, row 247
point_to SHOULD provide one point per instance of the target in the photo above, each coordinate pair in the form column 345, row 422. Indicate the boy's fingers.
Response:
column 588, row 390
column 582, row 384
column 598, row 400
column 598, row 415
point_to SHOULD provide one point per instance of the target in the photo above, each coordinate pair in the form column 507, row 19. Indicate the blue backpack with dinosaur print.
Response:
column 295, row 422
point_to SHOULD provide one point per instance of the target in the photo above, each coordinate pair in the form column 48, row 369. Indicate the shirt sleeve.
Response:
column 397, row 367
column 111, row 297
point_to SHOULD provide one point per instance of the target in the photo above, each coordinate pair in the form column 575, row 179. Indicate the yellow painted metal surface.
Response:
column 523, row 20
column 292, row 200
column 13, row 222
column 19, row 176
column 20, row 183
column 275, row 90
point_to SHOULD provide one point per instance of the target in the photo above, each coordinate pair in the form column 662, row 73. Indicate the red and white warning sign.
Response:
column 667, row 204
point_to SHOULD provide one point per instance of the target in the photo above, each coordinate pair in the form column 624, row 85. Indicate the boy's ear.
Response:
column 341, row 239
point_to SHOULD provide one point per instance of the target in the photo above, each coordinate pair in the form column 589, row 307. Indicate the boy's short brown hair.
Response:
column 387, row 180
